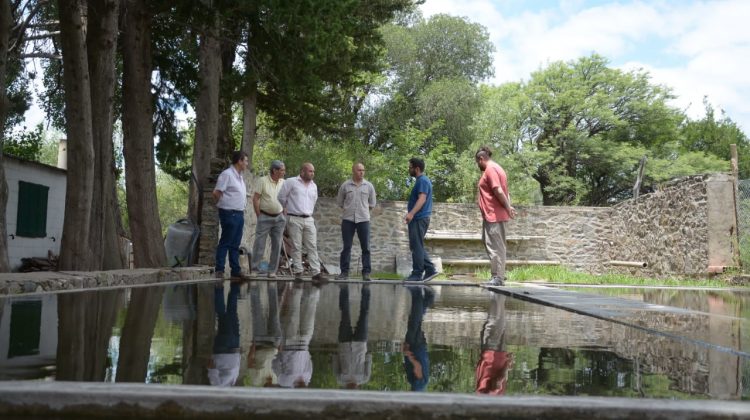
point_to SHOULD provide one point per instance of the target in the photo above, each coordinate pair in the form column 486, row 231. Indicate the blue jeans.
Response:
column 232, row 222
column 347, row 236
column 420, row 261
column 228, row 329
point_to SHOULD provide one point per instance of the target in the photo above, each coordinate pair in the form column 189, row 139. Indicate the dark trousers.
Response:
column 228, row 330
column 347, row 236
column 232, row 222
column 420, row 261
column 345, row 326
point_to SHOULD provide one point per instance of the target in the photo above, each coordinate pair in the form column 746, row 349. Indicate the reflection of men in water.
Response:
column 266, row 334
column 293, row 365
column 494, row 362
column 352, row 365
column 416, row 360
column 224, row 366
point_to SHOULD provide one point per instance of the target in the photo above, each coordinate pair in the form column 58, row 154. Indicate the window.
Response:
column 32, row 210
column 25, row 328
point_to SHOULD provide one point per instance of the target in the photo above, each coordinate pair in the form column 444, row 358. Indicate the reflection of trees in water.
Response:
column 137, row 332
column 198, row 337
column 85, row 322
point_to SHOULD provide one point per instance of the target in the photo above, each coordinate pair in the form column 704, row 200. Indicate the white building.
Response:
column 35, row 211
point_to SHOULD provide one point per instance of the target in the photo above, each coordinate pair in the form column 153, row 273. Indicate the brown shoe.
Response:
column 240, row 277
column 219, row 275
column 319, row 279
column 297, row 276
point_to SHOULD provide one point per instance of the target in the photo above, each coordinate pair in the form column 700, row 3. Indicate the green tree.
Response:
column 713, row 134
column 434, row 66
column 587, row 123
column 26, row 145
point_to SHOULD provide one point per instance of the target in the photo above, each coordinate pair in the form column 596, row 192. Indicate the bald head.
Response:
column 307, row 172
column 358, row 172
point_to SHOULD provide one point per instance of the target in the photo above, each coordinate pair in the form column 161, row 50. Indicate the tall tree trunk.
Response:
column 5, row 24
column 225, row 143
column 207, row 117
column 249, row 120
column 102, row 47
column 75, row 249
column 138, row 138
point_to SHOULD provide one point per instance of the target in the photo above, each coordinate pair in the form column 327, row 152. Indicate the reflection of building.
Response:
column 28, row 336
column 35, row 209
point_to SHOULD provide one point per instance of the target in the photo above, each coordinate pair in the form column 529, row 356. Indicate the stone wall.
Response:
column 572, row 235
column 684, row 228
column 673, row 230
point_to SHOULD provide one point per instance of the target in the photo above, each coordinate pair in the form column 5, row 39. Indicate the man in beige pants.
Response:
column 298, row 196
column 494, row 202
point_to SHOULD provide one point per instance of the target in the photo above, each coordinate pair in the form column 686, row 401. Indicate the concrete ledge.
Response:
column 53, row 281
column 93, row 400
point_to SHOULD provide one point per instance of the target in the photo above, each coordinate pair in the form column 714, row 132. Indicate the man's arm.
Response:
column 217, row 196
column 340, row 196
column 417, row 206
column 284, row 195
column 256, row 204
column 504, row 201
column 373, row 197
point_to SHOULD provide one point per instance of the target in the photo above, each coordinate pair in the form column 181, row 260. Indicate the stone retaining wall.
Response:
column 683, row 228
column 673, row 230
column 53, row 281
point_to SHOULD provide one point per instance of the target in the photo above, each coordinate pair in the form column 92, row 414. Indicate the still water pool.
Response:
column 459, row 339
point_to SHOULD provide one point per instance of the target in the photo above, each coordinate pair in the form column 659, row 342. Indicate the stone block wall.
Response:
column 671, row 229
column 572, row 235
column 683, row 228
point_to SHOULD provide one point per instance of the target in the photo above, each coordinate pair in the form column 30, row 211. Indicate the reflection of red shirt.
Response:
column 492, row 370
column 493, row 177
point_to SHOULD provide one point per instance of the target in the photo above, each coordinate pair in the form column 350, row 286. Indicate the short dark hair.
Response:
column 416, row 162
column 238, row 155
column 483, row 152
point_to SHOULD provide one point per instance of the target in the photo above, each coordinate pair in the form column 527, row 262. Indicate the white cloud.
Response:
column 698, row 48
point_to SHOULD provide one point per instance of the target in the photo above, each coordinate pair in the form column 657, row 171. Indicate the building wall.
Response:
column 54, row 178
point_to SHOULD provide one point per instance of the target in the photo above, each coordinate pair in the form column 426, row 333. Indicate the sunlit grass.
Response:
column 562, row 275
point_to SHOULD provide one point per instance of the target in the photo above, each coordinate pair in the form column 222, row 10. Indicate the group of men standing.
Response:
column 288, row 204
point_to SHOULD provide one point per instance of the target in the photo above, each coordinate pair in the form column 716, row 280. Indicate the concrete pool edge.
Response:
column 93, row 400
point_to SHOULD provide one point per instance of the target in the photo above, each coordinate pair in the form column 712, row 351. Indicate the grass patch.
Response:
column 386, row 276
column 562, row 275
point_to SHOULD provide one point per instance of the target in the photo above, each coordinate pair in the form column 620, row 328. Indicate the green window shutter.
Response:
column 32, row 210
column 25, row 328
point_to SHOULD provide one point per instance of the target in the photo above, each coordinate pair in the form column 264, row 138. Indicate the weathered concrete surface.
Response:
column 681, row 324
column 94, row 400
column 53, row 281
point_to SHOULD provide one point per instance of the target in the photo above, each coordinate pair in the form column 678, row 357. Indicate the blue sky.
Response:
column 697, row 48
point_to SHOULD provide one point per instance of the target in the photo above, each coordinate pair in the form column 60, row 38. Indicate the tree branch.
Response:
column 19, row 29
column 42, row 55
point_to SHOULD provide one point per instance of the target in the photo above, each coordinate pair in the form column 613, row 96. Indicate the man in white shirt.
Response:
column 230, row 195
column 298, row 196
column 270, row 214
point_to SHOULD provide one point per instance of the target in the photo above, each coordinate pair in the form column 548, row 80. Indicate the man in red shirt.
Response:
column 494, row 202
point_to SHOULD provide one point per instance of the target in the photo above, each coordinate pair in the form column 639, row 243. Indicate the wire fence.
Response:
column 743, row 222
